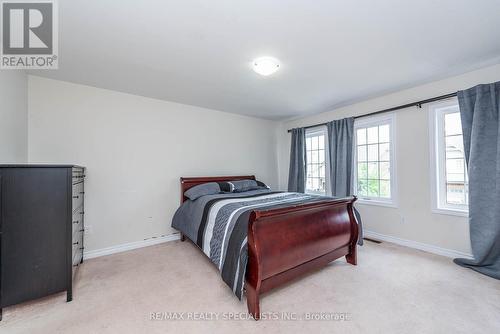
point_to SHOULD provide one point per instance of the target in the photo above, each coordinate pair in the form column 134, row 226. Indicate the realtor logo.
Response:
column 29, row 35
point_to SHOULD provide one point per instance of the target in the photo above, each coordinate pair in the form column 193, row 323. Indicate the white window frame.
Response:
column 311, row 132
column 370, row 121
column 437, row 163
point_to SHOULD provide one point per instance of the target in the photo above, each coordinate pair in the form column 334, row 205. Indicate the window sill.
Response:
column 376, row 202
column 451, row 212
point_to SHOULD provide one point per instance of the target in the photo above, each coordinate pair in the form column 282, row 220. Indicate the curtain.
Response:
column 340, row 149
column 480, row 114
column 297, row 171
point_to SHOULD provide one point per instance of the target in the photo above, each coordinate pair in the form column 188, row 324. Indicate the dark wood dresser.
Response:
column 41, row 230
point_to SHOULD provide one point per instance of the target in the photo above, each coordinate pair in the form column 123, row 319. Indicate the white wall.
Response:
column 13, row 116
column 413, row 219
column 136, row 148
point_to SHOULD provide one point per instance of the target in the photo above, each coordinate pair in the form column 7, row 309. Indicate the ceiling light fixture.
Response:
column 265, row 65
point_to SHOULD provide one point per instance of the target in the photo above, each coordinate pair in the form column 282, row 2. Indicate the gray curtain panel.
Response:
column 340, row 149
column 480, row 114
column 297, row 171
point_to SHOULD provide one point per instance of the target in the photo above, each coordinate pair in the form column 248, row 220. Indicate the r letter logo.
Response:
column 29, row 35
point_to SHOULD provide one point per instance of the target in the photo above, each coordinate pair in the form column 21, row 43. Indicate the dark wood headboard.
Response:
column 189, row 182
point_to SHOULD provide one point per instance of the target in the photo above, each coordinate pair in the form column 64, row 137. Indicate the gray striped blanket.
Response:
column 218, row 225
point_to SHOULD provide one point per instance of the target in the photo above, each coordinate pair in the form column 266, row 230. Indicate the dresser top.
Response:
column 39, row 166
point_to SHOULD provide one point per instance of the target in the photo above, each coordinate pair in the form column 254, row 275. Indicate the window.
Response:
column 375, row 163
column 450, row 182
column 316, row 167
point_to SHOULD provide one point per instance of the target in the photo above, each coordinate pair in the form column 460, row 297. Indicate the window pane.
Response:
column 321, row 142
column 452, row 124
column 321, row 156
column 385, row 189
column 455, row 194
column 308, row 170
column 385, row 153
column 309, row 183
column 373, row 152
column 454, row 147
column 373, row 188
column 372, row 135
column 455, row 170
column 373, row 170
column 362, row 153
column 316, row 164
column 314, row 158
column 385, row 171
column 313, row 170
column 322, row 185
column 315, row 184
column 362, row 170
column 383, row 133
column 362, row 187
column 452, row 176
column 314, row 145
column 361, row 136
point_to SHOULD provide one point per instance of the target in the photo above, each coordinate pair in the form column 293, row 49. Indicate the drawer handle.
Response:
column 82, row 192
column 76, row 197
column 75, row 243
column 82, row 230
column 81, row 248
column 75, row 265
column 76, row 222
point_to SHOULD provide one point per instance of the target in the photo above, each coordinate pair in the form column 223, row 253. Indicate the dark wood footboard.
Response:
column 288, row 242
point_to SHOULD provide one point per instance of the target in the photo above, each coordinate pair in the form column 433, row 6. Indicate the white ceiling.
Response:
column 333, row 52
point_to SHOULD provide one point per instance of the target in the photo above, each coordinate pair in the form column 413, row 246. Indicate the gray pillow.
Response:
column 243, row 185
column 203, row 189
column 247, row 185
column 226, row 187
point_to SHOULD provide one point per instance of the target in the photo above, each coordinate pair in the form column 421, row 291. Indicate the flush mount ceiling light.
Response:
column 265, row 65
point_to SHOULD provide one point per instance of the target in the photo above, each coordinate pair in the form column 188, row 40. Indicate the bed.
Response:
column 262, row 239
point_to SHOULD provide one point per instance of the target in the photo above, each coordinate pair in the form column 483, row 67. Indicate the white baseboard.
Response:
column 129, row 246
column 369, row 234
column 417, row 245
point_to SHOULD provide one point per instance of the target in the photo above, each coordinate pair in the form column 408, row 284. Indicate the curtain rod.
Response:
column 403, row 106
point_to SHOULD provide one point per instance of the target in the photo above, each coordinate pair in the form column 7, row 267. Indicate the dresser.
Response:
column 41, row 230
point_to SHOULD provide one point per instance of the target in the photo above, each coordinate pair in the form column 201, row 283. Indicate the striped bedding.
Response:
column 218, row 225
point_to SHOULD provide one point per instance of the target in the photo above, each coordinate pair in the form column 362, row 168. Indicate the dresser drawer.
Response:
column 77, row 247
column 77, row 226
column 77, row 232
column 77, row 258
column 78, row 213
column 78, row 174
column 77, row 195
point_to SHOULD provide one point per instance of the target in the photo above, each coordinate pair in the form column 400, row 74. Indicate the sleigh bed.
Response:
column 281, row 241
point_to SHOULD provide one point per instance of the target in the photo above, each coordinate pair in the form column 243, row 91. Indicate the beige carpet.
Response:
column 392, row 290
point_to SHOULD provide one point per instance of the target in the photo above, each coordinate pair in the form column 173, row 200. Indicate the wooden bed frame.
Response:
column 287, row 242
